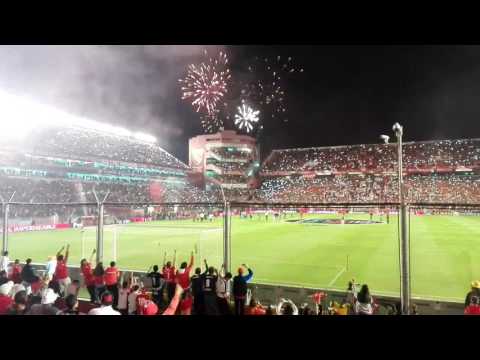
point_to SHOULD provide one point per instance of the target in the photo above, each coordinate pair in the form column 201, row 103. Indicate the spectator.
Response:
column 61, row 270
column 5, row 297
column 186, row 302
column 287, row 307
column 73, row 288
column 3, row 277
column 123, row 298
column 46, row 307
column 172, row 307
column 106, row 308
column 132, row 300
column 28, row 276
column 182, row 276
column 19, row 307
column 269, row 310
column 254, row 308
column 474, row 307
column 209, row 281
column 364, row 304
column 71, row 303
column 240, row 288
column 4, row 262
column 88, row 278
column 16, row 272
column 51, row 267
column 475, row 291
column 198, row 303
column 307, row 311
column 111, row 277
column 158, row 283
column 351, row 292
column 147, row 307
column 223, row 289
column 98, row 275
column 317, row 299
column 168, row 272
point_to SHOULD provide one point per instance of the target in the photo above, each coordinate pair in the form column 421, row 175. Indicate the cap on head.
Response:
column 476, row 284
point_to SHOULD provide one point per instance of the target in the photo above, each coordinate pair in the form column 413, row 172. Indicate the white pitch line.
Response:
column 337, row 276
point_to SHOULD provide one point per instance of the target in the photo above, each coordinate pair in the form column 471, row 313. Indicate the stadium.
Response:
column 307, row 221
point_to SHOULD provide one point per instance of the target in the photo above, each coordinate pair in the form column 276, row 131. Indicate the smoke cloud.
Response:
column 131, row 86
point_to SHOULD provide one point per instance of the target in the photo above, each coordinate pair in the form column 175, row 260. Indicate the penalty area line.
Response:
column 337, row 276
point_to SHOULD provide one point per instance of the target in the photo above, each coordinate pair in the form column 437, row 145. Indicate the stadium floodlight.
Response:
column 385, row 138
column 397, row 129
column 20, row 115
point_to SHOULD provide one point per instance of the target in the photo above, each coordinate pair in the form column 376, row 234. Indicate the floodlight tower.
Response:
column 404, row 236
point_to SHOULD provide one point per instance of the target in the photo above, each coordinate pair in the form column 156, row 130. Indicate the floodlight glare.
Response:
column 19, row 116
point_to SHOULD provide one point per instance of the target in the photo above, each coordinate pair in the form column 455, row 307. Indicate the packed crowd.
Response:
column 169, row 291
column 434, row 188
column 74, row 142
column 376, row 157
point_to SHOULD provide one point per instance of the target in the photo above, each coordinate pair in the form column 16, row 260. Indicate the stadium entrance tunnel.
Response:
column 334, row 221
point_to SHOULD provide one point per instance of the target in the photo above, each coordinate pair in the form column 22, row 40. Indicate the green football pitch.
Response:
column 445, row 250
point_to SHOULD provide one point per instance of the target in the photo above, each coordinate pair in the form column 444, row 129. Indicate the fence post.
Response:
column 5, row 207
column 405, row 261
column 100, row 232
column 226, row 233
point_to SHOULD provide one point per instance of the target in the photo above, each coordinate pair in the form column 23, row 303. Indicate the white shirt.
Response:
column 103, row 310
column 51, row 266
column 122, row 298
column 223, row 287
column 4, row 261
column 132, row 302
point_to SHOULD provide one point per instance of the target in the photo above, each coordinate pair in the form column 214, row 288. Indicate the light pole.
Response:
column 404, row 238
column 226, row 227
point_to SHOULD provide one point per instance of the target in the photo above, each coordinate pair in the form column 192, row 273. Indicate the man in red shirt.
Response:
column 111, row 277
column 168, row 271
column 88, row 278
column 16, row 275
column 61, row 271
column 182, row 277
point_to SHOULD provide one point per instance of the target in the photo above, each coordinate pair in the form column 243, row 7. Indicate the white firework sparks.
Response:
column 246, row 117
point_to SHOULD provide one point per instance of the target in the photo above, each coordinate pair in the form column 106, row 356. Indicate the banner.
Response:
column 25, row 228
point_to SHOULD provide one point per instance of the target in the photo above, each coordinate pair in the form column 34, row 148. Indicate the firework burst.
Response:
column 267, row 84
column 246, row 117
column 206, row 84
column 211, row 122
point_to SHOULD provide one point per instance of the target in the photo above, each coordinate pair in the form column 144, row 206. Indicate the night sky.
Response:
column 346, row 94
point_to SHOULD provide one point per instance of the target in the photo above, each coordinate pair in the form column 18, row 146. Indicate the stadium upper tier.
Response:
column 436, row 156
column 86, row 144
column 431, row 188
